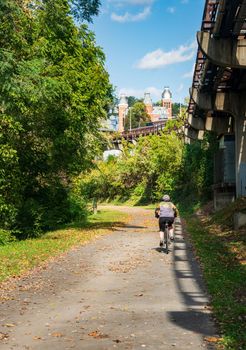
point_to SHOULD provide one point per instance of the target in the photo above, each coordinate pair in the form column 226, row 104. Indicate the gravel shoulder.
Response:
column 119, row 291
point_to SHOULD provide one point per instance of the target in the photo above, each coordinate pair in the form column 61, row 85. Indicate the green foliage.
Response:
column 143, row 173
column 137, row 116
column 197, row 168
column 54, row 92
column 132, row 100
column 6, row 237
column 85, row 9
column 176, row 125
column 176, row 107
column 155, row 165
column 158, row 103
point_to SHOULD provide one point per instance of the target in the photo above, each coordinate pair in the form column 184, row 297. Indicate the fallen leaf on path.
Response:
column 97, row 334
column 37, row 337
column 127, row 265
column 3, row 336
column 139, row 295
column 9, row 325
column 56, row 334
column 94, row 334
column 212, row 339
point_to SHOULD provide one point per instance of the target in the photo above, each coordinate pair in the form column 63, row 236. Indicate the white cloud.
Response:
column 189, row 74
column 139, row 93
column 158, row 58
column 171, row 9
column 154, row 92
column 128, row 17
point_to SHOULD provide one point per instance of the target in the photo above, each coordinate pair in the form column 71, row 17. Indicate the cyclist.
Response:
column 166, row 212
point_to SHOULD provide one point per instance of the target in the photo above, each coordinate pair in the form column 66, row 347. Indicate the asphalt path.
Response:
column 120, row 291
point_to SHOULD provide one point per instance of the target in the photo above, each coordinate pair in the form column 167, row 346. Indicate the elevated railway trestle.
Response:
column 154, row 129
column 218, row 92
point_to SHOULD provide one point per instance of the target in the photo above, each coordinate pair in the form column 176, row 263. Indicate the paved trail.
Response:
column 119, row 292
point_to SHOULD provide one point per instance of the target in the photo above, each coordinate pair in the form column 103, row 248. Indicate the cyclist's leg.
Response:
column 162, row 228
column 171, row 233
column 171, row 230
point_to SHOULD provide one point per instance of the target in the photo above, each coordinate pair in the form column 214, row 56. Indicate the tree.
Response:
column 132, row 100
column 54, row 91
column 158, row 103
column 85, row 9
column 144, row 171
column 136, row 116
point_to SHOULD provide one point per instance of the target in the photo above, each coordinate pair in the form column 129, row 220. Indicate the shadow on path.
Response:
column 187, row 273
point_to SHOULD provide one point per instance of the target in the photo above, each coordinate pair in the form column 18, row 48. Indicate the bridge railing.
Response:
column 155, row 128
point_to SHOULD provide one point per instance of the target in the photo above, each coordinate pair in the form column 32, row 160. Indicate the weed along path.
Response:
column 117, row 292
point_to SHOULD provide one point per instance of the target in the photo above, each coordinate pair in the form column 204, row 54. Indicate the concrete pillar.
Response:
column 200, row 135
column 240, row 133
column 219, row 124
column 191, row 133
column 196, row 122
column 187, row 140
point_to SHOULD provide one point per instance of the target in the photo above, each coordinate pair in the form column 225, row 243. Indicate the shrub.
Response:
column 6, row 237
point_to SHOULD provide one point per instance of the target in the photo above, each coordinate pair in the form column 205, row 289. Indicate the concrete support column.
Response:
column 240, row 133
column 219, row 124
column 196, row 122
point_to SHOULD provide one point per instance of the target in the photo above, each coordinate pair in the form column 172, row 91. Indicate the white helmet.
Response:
column 166, row 198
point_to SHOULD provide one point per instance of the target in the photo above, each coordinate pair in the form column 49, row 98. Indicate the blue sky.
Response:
column 149, row 44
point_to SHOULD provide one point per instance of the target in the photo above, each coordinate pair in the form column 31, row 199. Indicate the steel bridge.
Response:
column 218, row 92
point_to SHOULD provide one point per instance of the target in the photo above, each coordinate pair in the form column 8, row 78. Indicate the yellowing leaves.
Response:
column 57, row 334
column 213, row 339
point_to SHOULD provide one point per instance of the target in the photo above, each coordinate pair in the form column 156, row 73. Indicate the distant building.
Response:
column 111, row 124
column 122, row 111
column 156, row 113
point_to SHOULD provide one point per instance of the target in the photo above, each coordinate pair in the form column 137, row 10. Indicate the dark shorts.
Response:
column 162, row 222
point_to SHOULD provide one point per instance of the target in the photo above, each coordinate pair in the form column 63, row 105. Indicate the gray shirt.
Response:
column 167, row 210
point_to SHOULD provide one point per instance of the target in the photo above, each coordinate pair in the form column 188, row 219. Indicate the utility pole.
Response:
column 130, row 118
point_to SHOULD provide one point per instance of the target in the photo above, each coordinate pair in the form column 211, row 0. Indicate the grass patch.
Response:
column 18, row 257
column 225, row 275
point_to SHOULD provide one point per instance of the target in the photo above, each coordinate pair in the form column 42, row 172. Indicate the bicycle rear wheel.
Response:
column 166, row 238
